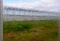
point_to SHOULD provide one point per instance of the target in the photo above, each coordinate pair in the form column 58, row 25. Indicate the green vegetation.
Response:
column 44, row 30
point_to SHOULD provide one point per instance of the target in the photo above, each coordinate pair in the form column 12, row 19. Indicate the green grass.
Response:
column 44, row 30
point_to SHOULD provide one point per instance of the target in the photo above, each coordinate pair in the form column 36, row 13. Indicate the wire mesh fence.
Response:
column 13, row 14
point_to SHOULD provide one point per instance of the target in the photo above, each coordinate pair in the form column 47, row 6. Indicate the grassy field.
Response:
column 44, row 30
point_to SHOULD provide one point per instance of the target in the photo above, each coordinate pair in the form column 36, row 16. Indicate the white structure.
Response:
column 17, row 14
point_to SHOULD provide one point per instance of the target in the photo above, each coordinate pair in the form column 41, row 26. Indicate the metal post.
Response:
column 58, row 28
column 1, row 35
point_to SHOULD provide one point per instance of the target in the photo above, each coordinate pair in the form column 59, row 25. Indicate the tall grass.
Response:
column 26, row 25
column 15, row 26
column 44, row 30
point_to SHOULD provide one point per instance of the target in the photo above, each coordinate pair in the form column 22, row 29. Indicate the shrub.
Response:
column 22, row 27
column 17, row 27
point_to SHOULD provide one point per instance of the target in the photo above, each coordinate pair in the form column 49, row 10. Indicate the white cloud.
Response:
column 48, row 5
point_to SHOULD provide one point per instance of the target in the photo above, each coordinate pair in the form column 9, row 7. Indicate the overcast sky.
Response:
column 47, row 5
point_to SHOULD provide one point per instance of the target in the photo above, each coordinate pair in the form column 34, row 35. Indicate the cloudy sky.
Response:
column 45, row 5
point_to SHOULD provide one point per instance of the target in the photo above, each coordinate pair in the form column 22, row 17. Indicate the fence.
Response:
column 24, row 17
column 16, row 14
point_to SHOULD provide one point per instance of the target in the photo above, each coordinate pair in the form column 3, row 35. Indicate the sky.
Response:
column 45, row 5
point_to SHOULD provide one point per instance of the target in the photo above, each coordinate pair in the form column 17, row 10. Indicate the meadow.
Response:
column 42, row 30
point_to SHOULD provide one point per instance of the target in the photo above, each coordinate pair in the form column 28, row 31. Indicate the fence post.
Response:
column 1, row 34
column 58, row 28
